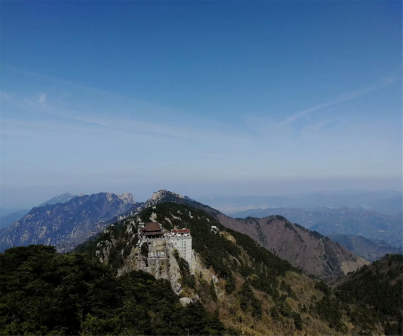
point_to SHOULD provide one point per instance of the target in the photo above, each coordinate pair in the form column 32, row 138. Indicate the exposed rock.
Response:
column 185, row 301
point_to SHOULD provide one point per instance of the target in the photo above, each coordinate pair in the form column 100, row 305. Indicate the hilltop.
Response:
column 304, row 249
column 254, row 291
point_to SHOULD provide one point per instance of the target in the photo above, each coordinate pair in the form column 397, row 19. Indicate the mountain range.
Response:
column 254, row 276
column 365, row 248
column 345, row 220
column 310, row 251
column 68, row 224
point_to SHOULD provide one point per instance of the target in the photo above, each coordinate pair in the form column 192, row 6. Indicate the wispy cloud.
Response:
column 108, row 123
column 338, row 100
column 42, row 99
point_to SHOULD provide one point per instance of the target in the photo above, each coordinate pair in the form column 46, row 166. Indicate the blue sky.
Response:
column 199, row 97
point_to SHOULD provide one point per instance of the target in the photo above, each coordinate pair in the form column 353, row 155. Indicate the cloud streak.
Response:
column 338, row 100
column 42, row 100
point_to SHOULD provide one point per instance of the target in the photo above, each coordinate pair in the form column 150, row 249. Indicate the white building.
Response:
column 182, row 241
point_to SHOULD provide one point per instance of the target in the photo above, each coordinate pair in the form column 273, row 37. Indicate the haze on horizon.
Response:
column 201, row 98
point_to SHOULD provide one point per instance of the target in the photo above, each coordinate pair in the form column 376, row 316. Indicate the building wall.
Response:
column 184, row 246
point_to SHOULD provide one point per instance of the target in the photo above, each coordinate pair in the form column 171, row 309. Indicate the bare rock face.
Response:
column 68, row 224
column 174, row 274
column 185, row 301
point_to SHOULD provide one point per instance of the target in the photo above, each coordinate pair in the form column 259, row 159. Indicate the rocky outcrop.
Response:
column 184, row 301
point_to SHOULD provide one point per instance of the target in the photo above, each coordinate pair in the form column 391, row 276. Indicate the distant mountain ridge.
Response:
column 58, row 199
column 68, row 224
column 346, row 221
column 365, row 248
column 9, row 219
column 65, row 225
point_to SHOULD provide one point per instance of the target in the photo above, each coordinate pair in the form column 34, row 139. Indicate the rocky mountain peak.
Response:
column 127, row 197
column 159, row 195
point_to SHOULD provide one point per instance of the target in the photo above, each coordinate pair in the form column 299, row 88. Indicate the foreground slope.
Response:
column 65, row 225
column 254, row 291
column 45, row 293
column 379, row 285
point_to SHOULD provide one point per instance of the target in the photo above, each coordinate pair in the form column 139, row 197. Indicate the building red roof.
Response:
column 180, row 231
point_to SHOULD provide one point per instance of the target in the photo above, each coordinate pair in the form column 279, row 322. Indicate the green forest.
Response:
column 46, row 293
column 379, row 286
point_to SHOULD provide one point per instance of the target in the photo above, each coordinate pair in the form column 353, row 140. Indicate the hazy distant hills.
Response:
column 365, row 248
column 364, row 223
column 385, row 202
column 346, row 221
column 10, row 218
column 66, row 224
column 58, row 199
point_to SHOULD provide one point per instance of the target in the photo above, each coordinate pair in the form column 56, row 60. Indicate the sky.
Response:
column 199, row 97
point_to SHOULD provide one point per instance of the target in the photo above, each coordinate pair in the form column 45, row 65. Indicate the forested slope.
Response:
column 379, row 285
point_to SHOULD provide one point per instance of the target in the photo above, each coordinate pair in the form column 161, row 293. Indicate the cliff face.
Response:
column 304, row 249
column 66, row 225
